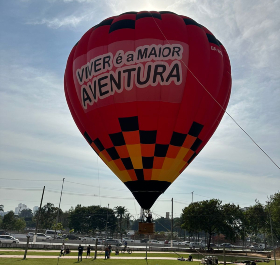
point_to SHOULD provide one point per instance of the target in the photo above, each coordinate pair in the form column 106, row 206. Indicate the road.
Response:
column 136, row 244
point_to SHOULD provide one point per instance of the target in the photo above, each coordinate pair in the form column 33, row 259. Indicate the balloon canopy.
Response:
column 147, row 90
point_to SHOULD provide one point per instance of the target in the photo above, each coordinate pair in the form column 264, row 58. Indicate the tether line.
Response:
column 215, row 99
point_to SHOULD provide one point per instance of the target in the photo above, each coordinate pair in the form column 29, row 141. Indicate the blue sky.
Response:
column 40, row 144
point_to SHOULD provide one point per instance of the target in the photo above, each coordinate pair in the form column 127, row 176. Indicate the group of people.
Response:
column 65, row 250
column 190, row 258
column 81, row 250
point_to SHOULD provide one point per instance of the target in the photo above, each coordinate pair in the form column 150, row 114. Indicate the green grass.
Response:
column 56, row 261
column 6, row 261
column 134, row 254
column 14, row 261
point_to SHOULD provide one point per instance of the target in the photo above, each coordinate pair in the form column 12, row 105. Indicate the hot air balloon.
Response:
column 147, row 91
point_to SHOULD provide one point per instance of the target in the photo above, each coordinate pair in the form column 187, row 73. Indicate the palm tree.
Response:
column 127, row 220
column 120, row 211
column 1, row 208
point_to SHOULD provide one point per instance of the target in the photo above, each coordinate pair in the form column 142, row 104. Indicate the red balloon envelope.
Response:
column 135, row 83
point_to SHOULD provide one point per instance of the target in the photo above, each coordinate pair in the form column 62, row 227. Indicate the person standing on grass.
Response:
column 106, row 252
column 88, row 251
column 110, row 250
column 80, row 252
column 62, row 250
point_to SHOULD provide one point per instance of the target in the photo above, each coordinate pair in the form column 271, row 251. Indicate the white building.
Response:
column 20, row 207
column 35, row 209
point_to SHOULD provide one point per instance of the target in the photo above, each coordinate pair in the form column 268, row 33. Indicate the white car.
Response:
column 43, row 237
column 197, row 245
column 153, row 242
column 8, row 239
column 88, row 238
column 113, row 242
column 184, row 243
column 226, row 245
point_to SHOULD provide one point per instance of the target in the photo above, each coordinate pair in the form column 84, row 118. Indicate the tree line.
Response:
column 210, row 217
column 214, row 218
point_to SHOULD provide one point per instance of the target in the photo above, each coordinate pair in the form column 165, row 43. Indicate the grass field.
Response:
column 229, row 258
column 51, row 257
column 15, row 261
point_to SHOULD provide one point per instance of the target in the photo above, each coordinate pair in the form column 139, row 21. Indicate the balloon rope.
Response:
column 216, row 100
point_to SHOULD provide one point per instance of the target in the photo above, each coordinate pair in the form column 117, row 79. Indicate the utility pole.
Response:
column 171, row 223
column 34, row 237
column 58, row 208
column 192, row 196
column 274, row 250
column 26, row 248
column 107, row 221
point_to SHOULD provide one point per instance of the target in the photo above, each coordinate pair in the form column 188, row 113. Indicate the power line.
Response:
column 76, row 183
column 82, row 184
column 30, row 179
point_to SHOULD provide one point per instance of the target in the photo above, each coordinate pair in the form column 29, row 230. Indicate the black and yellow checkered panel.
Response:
column 136, row 155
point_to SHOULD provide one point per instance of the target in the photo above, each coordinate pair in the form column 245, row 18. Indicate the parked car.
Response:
column 226, row 245
column 257, row 247
column 31, row 234
column 115, row 242
column 87, row 238
column 145, row 240
column 8, row 239
column 184, row 243
column 197, row 245
column 153, row 242
column 43, row 237
column 71, row 237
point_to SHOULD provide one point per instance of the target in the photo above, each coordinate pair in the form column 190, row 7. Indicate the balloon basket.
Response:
column 146, row 228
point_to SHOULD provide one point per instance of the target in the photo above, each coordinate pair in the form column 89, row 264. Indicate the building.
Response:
column 35, row 209
column 20, row 207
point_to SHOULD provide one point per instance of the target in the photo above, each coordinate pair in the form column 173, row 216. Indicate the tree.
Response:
column 233, row 221
column 212, row 217
column 9, row 221
column 26, row 213
column 57, row 227
column 84, row 219
column 162, row 224
column 1, row 208
column 64, row 218
column 273, row 209
column 48, row 215
column 19, row 224
column 256, row 219
column 120, row 211
column 127, row 220
column 203, row 216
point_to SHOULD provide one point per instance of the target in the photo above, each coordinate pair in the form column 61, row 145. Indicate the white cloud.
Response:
column 60, row 22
